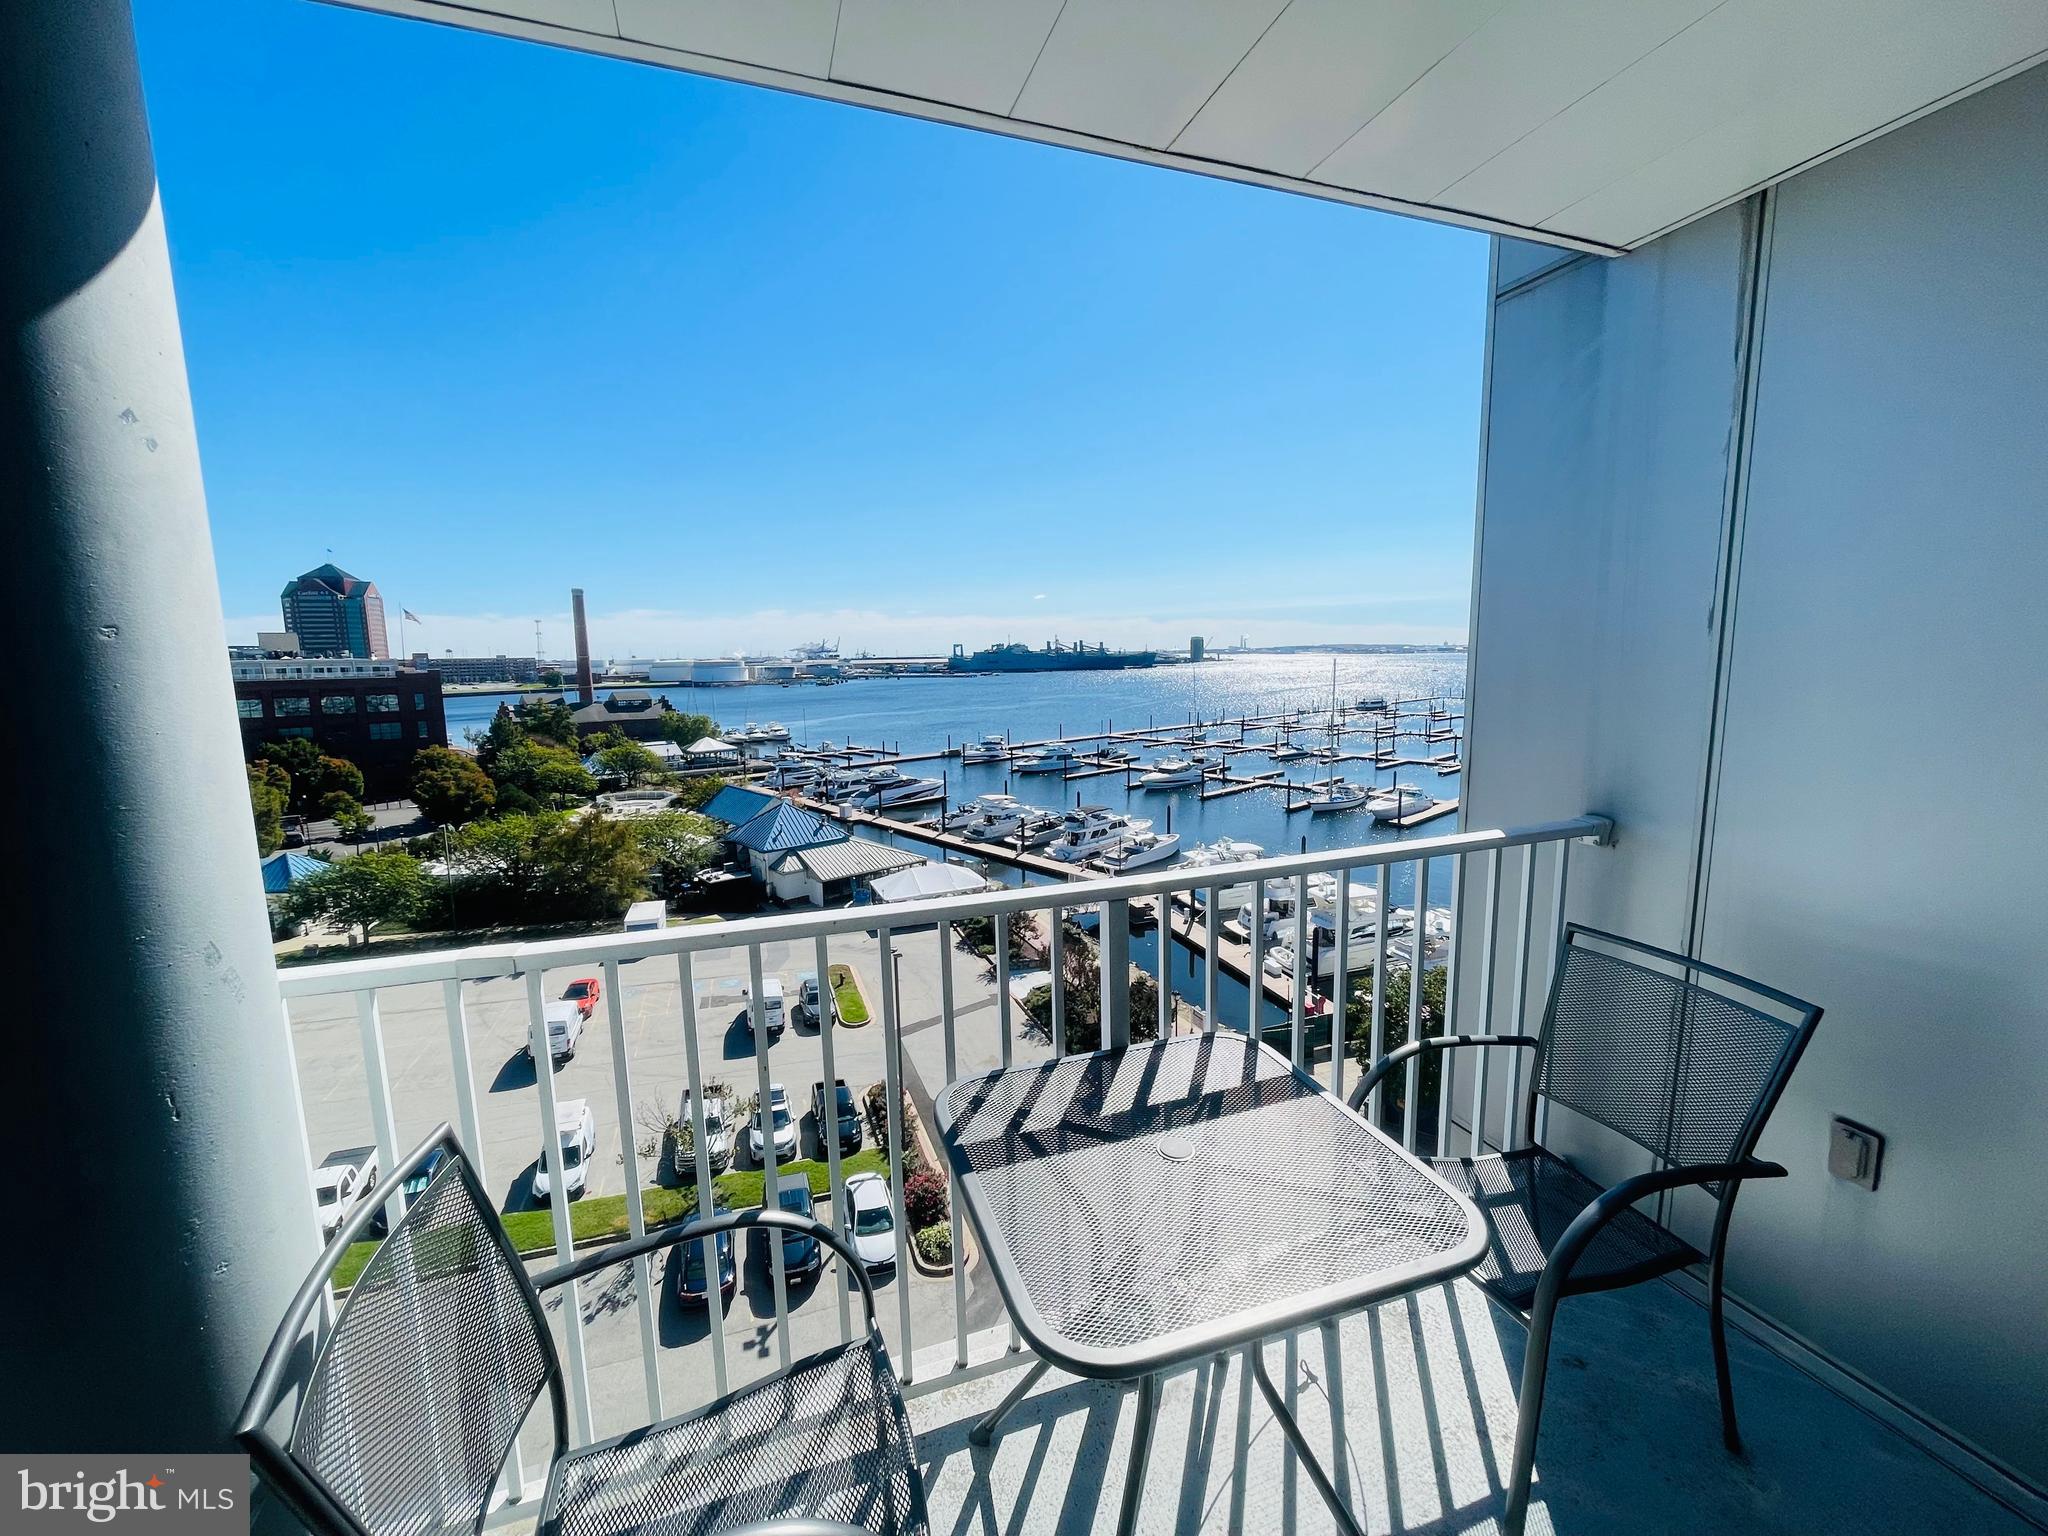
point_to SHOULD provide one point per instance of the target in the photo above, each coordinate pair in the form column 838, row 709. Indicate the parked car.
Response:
column 576, row 1134
column 719, row 1114
column 688, row 1268
column 809, row 1005
column 584, row 992
column 802, row 1254
column 781, row 1122
column 565, row 1028
column 339, row 1184
column 871, row 1220
column 413, row 1187
column 840, row 1112
column 772, row 1016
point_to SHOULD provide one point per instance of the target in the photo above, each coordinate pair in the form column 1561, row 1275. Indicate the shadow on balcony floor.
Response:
column 1631, row 1440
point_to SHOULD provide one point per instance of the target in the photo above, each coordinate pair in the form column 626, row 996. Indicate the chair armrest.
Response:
column 1405, row 1053
column 708, row 1227
column 1610, row 1203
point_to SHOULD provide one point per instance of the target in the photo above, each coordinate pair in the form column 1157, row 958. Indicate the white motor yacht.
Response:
column 1286, row 752
column 900, row 791
column 1000, row 826
column 980, row 808
column 992, row 748
column 1397, row 801
column 1039, row 828
column 1139, row 851
column 1044, row 760
column 1091, row 829
column 1171, row 772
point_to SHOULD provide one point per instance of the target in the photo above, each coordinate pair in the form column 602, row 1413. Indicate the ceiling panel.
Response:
column 1805, row 97
column 1597, row 124
column 1530, row 62
column 1136, row 70
column 1675, row 93
column 975, row 53
column 795, row 35
column 1320, row 72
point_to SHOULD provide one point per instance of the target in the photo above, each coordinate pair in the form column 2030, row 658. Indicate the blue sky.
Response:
column 489, row 320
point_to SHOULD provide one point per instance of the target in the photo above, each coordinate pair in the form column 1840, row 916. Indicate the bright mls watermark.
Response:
column 170, row 1495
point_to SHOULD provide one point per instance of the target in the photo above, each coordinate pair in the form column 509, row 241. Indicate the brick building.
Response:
column 374, row 713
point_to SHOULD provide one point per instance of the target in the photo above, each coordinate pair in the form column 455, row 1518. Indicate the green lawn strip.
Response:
column 533, row 1232
column 853, row 1008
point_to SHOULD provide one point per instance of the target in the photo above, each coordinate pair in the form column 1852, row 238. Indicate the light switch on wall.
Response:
column 1854, row 1153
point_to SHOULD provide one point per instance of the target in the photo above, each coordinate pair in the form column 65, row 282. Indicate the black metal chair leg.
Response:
column 1717, row 1328
column 1529, row 1411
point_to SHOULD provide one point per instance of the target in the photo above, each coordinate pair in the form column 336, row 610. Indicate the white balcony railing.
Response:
column 489, row 980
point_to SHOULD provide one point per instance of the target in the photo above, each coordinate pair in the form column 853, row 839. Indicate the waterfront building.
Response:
column 633, row 712
column 334, row 613
column 466, row 671
column 376, row 714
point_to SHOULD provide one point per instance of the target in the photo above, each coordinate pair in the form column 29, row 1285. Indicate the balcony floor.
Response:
column 1631, row 1440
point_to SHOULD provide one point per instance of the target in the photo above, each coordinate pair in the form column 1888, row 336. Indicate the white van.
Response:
column 565, row 1027
column 772, row 1013
column 576, row 1135
column 644, row 916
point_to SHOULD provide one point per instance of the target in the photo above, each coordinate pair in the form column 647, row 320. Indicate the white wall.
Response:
column 1873, row 832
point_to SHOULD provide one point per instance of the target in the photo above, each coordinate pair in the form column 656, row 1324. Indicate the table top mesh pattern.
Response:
column 1184, row 1183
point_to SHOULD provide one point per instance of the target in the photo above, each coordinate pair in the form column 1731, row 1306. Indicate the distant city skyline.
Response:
column 755, row 369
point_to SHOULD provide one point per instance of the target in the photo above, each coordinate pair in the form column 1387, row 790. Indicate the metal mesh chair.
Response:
column 1684, row 1059
column 413, row 1399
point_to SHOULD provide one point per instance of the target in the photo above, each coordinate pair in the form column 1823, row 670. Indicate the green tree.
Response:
column 359, row 893
column 630, row 761
column 346, row 812
column 551, row 676
column 1081, row 1010
column 450, row 788
column 495, row 860
column 544, row 772
column 1358, row 1031
column 590, row 867
column 269, row 793
column 676, row 845
column 686, row 729
column 694, row 794
column 314, row 774
column 547, row 720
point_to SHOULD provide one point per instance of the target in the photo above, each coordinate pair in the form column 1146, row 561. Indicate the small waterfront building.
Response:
column 712, row 752
column 782, row 829
column 633, row 712
column 832, row 875
column 736, row 805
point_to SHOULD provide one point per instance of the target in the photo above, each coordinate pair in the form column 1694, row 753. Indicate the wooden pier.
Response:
column 1426, row 814
column 1277, row 779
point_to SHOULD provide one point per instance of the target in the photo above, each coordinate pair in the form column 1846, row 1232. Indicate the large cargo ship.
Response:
column 1050, row 657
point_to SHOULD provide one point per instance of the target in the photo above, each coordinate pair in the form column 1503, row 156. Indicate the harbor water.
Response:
column 916, row 715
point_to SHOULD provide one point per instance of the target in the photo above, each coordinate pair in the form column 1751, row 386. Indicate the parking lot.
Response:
column 420, row 1066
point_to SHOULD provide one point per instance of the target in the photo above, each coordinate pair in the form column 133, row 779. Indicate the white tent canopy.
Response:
column 926, row 880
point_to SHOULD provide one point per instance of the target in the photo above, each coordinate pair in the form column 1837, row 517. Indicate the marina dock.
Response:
column 996, row 853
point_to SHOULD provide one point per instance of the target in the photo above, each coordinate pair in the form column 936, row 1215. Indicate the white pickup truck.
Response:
column 340, row 1183
column 575, row 1145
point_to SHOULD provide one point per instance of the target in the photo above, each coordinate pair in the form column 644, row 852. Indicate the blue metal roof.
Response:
column 736, row 805
column 285, row 869
column 785, row 828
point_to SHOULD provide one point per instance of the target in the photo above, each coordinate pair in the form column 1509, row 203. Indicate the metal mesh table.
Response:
column 1145, row 1207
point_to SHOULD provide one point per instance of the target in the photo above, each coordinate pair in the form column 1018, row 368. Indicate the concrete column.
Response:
column 155, row 1195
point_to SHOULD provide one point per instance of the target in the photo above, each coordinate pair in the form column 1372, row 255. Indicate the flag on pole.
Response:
column 411, row 617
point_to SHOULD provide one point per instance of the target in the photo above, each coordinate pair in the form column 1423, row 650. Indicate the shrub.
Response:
column 924, row 1198
column 935, row 1244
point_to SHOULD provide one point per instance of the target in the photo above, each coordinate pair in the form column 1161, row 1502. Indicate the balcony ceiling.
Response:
column 1592, row 123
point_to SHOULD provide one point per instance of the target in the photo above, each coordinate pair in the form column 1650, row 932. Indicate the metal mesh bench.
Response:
column 413, row 1400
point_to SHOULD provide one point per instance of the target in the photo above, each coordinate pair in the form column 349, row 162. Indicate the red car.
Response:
column 584, row 993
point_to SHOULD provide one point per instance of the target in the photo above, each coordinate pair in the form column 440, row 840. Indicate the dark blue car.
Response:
column 688, row 1267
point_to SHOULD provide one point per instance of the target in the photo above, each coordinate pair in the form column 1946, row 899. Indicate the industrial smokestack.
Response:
column 583, row 680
